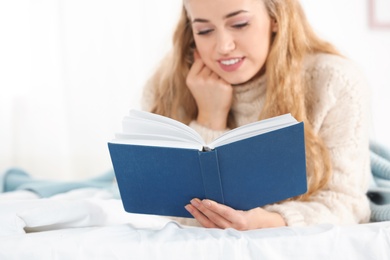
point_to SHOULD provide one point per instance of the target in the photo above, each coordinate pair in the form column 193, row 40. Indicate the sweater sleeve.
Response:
column 341, row 117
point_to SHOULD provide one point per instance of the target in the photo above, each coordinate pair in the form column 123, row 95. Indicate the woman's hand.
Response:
column 212, row 94
column 211, row 214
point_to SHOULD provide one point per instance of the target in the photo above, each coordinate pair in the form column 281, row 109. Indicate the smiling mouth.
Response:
column 231, row 65
column 230, row 61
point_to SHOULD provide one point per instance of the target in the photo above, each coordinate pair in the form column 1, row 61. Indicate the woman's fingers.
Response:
column 196, row 68
column 200, row 217
column 212, row 214
column 224, row 216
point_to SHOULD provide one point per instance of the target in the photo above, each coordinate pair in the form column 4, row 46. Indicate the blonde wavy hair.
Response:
column 286, row 89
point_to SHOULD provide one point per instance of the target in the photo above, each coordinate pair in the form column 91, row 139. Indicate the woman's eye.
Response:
column 240, row 25
column 204, row 32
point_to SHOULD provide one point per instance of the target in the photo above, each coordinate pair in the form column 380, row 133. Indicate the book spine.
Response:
column 208, row 161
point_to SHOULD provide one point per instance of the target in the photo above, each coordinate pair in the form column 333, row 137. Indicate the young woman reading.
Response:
column 234, row 62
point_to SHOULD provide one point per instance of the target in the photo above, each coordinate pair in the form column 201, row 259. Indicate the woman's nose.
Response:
column 225, row 43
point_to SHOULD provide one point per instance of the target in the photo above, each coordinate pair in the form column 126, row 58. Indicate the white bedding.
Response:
column 90, row 224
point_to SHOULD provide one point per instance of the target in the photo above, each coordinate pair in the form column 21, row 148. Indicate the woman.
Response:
column 237, row 61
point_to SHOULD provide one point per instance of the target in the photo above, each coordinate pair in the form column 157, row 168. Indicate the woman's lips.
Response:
column 231, row 64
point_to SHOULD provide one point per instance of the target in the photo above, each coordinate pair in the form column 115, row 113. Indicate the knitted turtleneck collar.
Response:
column 248, row 100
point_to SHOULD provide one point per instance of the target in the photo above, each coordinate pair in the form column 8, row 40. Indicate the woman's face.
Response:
column 232, row 36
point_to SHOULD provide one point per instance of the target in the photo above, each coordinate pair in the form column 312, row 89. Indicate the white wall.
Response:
column 346, row 24
column 71, row 69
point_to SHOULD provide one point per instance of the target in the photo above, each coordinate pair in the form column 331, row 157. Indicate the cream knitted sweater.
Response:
column 340, row 115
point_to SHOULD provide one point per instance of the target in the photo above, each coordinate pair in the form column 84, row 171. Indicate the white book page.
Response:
column 144, row 128
column 139, row 126
column 151, row 137
column 159, row 143
column 140, row 122
column 253, row 129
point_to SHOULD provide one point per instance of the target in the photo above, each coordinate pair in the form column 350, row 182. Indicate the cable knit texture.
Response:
column 339, row 113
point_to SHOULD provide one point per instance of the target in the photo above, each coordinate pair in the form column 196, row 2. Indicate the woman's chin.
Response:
column 237, row 82
column 241, row 82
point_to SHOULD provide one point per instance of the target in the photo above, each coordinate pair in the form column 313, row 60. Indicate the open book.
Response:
column 161, row 164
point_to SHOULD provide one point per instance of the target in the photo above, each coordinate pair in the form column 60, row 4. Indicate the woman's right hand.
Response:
column 212, row 94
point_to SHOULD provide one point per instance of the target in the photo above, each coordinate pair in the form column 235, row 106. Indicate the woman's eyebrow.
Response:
column 200, row 20
column 234, row 13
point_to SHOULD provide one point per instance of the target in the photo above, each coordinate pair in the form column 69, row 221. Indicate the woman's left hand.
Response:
column 211, row 214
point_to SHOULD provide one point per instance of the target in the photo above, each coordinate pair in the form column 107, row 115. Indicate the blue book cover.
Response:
column 256, row 170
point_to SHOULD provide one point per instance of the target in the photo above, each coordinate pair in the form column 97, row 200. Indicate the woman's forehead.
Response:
column 207, row 9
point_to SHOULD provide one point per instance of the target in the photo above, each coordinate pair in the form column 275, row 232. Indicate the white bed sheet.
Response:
column 89, row 224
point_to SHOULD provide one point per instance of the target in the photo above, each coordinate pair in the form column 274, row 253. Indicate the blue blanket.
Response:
column 16, row 179
column 379, row 192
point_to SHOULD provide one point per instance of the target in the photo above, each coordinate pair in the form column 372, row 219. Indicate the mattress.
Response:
column 90, row 223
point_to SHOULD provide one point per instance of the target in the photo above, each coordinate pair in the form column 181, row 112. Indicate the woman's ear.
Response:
column 274, row 25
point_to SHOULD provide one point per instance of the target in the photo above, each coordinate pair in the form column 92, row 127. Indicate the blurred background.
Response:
column 71, row 69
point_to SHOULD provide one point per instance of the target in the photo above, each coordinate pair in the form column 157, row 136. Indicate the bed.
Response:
column 90, row 223
column 85, row 220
